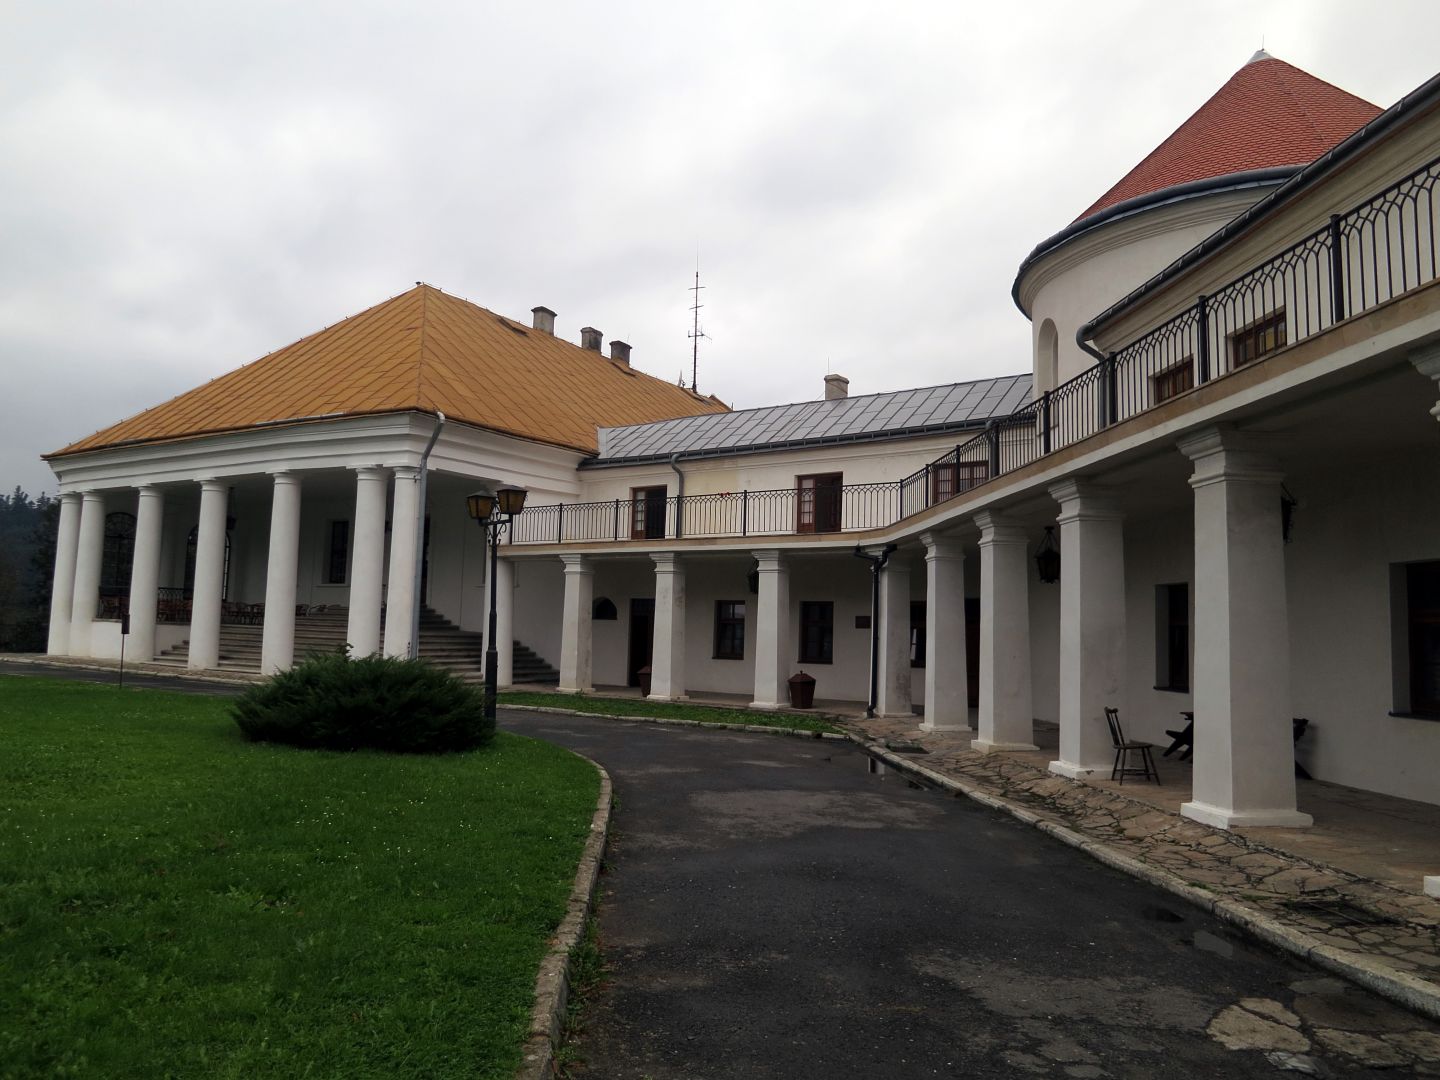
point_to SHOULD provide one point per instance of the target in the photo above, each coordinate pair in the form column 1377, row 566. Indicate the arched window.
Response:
column 190, row 548
column 1047, row 357
column 119, row 551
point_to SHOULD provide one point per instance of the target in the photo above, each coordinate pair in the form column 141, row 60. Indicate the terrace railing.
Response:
column 1382, row 248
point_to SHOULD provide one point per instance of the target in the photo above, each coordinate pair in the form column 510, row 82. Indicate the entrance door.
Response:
column 972, row 651
column 642, row 637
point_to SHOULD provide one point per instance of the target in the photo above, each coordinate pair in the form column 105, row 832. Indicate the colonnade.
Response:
column 74, row 602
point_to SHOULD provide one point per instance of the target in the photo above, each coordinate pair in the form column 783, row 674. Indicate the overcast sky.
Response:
column 185, row 186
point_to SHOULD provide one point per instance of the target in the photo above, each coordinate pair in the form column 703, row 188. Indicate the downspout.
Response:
column 423, row 481
column 679, row 499
column 877, row 564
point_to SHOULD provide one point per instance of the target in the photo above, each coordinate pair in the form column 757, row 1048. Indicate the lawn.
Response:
column 175, row 901
column 705, row 714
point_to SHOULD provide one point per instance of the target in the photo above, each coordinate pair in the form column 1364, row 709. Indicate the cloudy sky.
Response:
column 188, row 185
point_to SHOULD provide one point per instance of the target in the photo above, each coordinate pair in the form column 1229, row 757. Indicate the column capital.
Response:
column 212, row 483
column 998, row 528
column 1222, row 453
column 941, row 546
column 1427, row 360
column 149, row 491
column 71, row 497
column 368, row 472
column 1082, row 499
column 667, row 562
column 284, row 476
column 577, row 564
column 406, row 472
column 770, row 560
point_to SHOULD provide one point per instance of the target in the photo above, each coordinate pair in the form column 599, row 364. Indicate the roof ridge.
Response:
column 424, row 323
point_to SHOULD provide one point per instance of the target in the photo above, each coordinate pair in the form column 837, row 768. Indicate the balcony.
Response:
column 1381, row 249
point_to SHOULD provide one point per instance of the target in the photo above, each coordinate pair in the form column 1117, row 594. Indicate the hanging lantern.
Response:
column 1047, row 558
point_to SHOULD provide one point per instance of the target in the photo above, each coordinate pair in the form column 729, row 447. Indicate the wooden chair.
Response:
column 1125, row 747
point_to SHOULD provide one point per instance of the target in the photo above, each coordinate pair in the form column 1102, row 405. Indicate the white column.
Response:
column 90, row 547
column 1427, row 362
column 145, row 573
column 774, row 644
column 205, row 603
column 667, row 660
column 893, row 698
column 1244, row 747
column 575, row 629
column 400, row 590
column 947, row 705
column 62, row 585
column 277, row 642
column 504, row 622
column 1092, row 625
column 367, row 562
column 1006, row 721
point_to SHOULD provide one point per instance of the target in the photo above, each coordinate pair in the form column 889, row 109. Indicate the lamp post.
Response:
column 493, row 513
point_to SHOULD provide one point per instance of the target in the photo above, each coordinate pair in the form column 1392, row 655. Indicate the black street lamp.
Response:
column 493, row 513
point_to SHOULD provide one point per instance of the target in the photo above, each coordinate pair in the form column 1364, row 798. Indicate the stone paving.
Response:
column 1364, row 924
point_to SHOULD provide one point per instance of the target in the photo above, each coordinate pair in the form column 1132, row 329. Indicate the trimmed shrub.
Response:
column 332, row 702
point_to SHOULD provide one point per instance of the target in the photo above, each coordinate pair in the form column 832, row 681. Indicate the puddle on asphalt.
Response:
column 1156, row 913
column 1218, row 946
column 876, row 767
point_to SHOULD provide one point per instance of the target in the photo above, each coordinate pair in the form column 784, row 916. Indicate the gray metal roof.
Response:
column 931, row 409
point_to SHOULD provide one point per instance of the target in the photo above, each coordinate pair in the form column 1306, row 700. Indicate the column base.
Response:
column 944, row 725
column 1244, row 819
column 574, row 689
column 1077, row 772
column 1432, row 887
column 994, row 747
column 667, row 697
column 768, row 706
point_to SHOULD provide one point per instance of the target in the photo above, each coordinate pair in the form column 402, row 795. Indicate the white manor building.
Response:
column 1229, row 433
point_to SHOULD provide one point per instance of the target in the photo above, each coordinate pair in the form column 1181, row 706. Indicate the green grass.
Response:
column 176, row 901
column 705, row 714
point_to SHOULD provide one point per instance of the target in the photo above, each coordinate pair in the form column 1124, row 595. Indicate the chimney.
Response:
column 544, row 320
column 836, row 387
column 590, row 338
column 620, row 352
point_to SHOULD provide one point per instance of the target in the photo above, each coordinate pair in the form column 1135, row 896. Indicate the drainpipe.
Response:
column 680, row 498
column 423, row 481
column 877, row 564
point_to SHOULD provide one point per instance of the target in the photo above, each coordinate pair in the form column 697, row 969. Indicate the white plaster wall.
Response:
column 318, row 508
column 846, row 582
column 1044, row 637
column 620, row 581
column 539, row 593
column 708, row 581
column 1159, row 550
column 1351, row 525
column 1074, row 283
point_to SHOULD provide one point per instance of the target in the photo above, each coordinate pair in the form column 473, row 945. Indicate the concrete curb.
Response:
column 200, row 675
column 1400, row 987
column 552, row 985
column 756, row 729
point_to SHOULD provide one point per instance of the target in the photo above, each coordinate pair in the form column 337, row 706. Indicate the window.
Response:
column 817, row 631
column 336, row 565
column 817, row 502
column 1173, row 380
column 1258, row 339
column 1172, row 637
column 1418, row 656
column 192, row 543
column 119, row 551
column 917, row 633
column 949, row 480
column 730, row 630
column 647, row 513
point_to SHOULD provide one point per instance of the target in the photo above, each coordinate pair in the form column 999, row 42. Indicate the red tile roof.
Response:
column 1269, row 114
column 422, row 350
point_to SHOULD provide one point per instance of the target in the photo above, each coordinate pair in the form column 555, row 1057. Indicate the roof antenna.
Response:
column 696, row 333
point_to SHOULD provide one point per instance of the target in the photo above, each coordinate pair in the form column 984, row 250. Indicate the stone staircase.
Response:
column 322, row 631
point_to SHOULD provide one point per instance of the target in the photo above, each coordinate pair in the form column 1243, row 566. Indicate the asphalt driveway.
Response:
column 773, row 907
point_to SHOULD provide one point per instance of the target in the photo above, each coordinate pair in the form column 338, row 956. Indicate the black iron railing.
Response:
column 778, row 512
column 1382, row 248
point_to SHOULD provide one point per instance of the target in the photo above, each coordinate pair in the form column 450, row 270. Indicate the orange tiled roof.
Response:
column 1269, row 114
column 429, row 351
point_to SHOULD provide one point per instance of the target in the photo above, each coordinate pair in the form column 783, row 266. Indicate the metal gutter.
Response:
column 1212, row 185
column 423, row 479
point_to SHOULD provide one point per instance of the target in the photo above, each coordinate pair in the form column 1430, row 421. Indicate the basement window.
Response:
column 817, row 631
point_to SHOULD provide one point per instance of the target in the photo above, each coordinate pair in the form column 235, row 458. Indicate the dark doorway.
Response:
column 972, row 651
column 642, row 637
column 425, row 563
column 647, row 513
column 817, row 502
